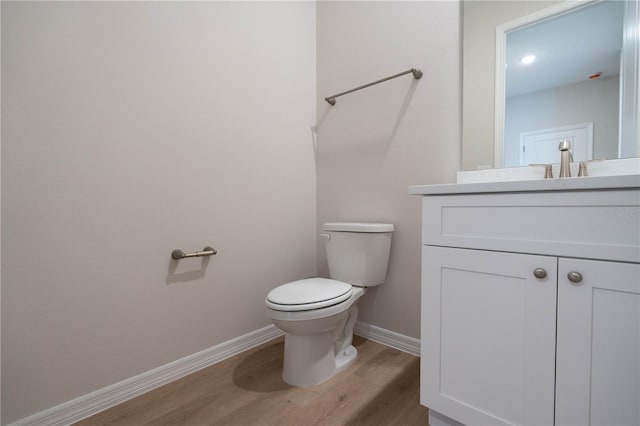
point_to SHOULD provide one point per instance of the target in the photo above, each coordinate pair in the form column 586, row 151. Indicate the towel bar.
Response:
column 207, row 251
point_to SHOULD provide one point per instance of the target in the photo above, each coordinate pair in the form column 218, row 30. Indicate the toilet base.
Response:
column 310, row 360
column 346, row 358
column 315, row 350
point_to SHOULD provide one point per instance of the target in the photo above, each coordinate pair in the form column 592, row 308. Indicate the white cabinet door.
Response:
column 488, row 333
column 598, row 361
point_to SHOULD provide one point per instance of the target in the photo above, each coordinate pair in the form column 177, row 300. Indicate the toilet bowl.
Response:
column 318, row 314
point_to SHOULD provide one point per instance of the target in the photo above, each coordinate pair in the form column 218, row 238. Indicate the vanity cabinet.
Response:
column 531, row 306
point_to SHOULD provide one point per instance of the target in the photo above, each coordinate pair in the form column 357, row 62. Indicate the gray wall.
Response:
column 376, row 142
column 587, row 102
column 130, row 129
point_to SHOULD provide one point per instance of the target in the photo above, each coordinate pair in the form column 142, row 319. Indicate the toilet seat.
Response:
column 308, row 294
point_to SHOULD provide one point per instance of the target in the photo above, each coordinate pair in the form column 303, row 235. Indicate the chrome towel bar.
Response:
column 417, row 74
column 207, row 251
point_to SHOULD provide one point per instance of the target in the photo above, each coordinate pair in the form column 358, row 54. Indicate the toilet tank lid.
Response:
column 358, row 227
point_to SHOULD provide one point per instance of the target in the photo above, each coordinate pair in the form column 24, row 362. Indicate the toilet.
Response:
column 318, row 314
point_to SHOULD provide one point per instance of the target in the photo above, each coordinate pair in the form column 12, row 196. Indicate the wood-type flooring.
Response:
column 381, row 388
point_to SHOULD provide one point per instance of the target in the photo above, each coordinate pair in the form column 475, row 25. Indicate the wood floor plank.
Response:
column 398, row 400
column 183, row 392
column 381, row 388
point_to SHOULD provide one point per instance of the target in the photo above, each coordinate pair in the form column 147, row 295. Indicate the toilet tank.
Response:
column 358, row 253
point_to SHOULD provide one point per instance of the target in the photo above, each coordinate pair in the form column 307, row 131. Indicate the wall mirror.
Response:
column 580, row 82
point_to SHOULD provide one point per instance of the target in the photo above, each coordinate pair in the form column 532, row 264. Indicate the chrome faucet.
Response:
column 565, row 158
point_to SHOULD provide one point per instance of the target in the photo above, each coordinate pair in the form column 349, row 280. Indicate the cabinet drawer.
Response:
column 587, row 224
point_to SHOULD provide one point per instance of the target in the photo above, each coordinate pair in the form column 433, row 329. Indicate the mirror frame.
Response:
column 629, row 111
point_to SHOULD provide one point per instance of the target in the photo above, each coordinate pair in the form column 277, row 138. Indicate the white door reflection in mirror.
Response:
column 541, row 146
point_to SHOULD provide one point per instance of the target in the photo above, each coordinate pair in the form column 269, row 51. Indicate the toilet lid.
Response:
column 311, row 293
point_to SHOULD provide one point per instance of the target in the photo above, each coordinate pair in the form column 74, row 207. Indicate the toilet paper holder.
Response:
column 207, row 251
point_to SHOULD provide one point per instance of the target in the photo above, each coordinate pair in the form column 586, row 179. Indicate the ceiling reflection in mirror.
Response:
column 561, row 80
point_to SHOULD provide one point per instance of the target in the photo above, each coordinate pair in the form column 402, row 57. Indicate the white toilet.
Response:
column 318, row 314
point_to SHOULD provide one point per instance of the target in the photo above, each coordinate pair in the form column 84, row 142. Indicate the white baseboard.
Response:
column 95, row 402
column 392, row 339
column 87, row 405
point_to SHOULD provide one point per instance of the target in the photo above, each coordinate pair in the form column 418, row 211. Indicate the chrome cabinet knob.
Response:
column 574, row 277
column 539, row 273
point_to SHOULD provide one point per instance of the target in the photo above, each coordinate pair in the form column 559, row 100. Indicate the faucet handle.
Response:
column 548, row 173
column 582, row 171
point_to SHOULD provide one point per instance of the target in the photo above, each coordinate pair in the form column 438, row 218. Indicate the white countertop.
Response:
column 556, row 184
